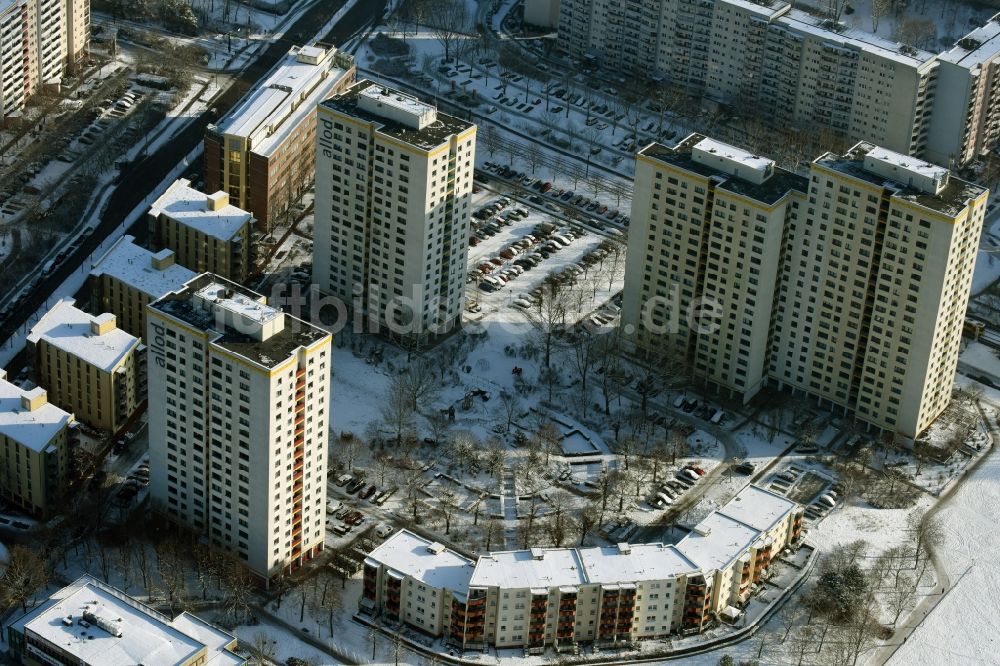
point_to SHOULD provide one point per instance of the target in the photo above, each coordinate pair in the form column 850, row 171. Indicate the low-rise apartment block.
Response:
column 393, row 185
column 88, row 365
column 561, row 597
column 239, row 431
column 263, row 152
column 813, row 283
column 35, row 441
column 416, row 581
column 128, row 277
column 205, row 231
column 89, row 623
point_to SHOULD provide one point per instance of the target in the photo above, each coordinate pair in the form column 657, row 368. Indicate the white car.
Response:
column 522, row 303
column 384, row 530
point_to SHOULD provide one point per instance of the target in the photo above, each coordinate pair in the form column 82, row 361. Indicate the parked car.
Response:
column 367, row 492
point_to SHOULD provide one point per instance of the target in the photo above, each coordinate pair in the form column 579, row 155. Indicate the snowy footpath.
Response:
column 962, row 627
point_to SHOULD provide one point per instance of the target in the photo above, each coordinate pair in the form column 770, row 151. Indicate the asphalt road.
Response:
column 142, row 176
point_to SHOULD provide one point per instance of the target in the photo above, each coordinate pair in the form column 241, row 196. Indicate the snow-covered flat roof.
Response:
column 423, row 560
column 396, row 105
column 146, row 636
column 861, row 40
column 238, row 304
column 906, row 170
column 716, row 541
column 188, row 206
column 732, row 160
column 70, row 329
column 216, row 640
column 976, row 48
column 539, row 567
column 133, row 265
column 638, row 562
column 31, row 428
column 758, row 507
column 291, row 91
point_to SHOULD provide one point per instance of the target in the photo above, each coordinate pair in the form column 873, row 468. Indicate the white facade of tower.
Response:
column 238, row 422
column 393, row 185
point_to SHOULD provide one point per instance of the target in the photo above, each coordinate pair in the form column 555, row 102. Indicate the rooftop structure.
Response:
column 209, row 214
column 304, row 77
column 919, row 182
column 27, row 417
column 397, row 115
column 907, row 170
column 430, row 563
column 739, row 170
column 152, row 273
column 93, row 339
column 397, row 106
column 244, row 324
column 97, row 625
column 732, row 160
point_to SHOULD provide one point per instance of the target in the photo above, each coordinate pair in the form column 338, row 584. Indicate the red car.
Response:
column 367, row 492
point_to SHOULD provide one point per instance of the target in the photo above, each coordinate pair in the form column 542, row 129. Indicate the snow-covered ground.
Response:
column 961, row 630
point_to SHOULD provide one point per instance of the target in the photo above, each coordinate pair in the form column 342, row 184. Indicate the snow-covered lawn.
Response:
column 961, row 630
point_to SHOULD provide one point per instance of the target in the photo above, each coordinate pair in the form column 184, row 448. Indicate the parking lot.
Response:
column 515, row 249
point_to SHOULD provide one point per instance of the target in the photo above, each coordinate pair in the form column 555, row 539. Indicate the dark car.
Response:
column 368, row 492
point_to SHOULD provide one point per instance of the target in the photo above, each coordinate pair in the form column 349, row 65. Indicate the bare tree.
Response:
column 548, row 438
column 789, row 616
column 879, row 9
column 397, row 408
column 589, row 518
column 533, row 156
column 510, row 404
column 560, row 521
column 492, row 530
column 900, row 597
column 26, row 574
column 490, row 137
column 585, row 347
column 447, row 19
column 447, row 507
column 548, row 320
column 929, row 533
column 262, row 650
column 421, row 383
column 171, row 565
column 496, row 459
column 239, row 593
